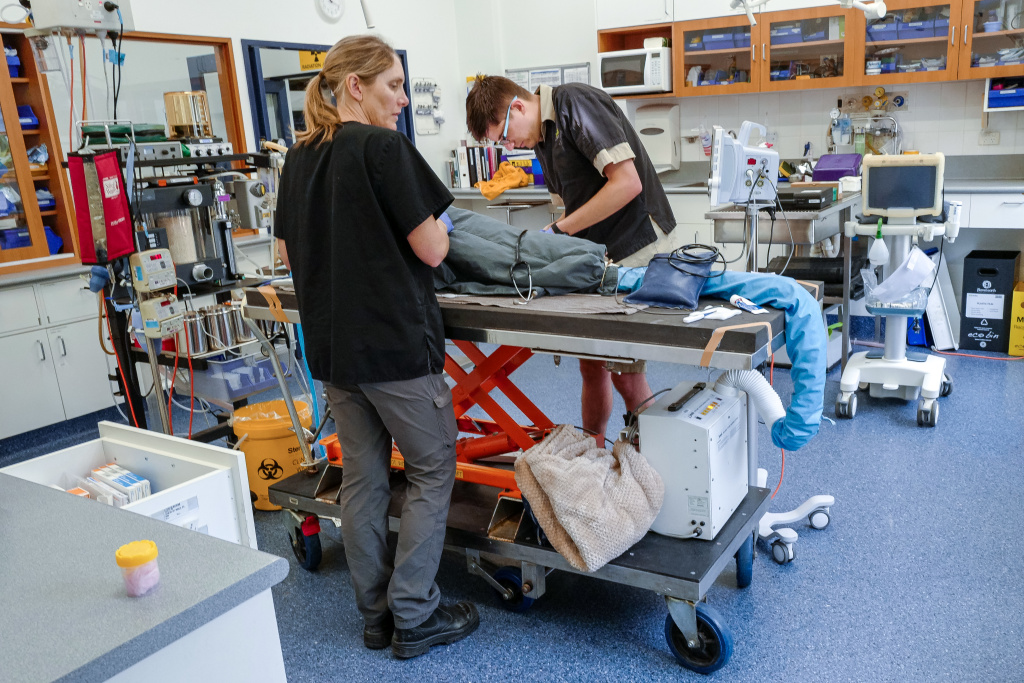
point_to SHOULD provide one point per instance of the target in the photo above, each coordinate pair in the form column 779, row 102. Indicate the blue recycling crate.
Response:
column 718, row 40
column 998, row 99
column 814, row 29
column 882, row 31
column 941, row 28
column 784, row 34
column 13, row 66
column 695, row 42
column 15, row 238
column 742, row 38
column 908, row 30
column 779, row 75
column 27, row 117
column 53, row 241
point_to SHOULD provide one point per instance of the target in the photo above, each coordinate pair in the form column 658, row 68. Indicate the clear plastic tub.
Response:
column 139, row 568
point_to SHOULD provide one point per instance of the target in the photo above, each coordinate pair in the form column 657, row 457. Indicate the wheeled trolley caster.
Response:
column 710, row 649
column 782, row 552
column 846, row 405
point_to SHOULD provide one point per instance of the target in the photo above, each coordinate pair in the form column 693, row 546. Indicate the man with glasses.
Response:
column 594, row 161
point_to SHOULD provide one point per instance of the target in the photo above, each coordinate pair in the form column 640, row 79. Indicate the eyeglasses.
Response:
column 503, row 140
column 519, row 263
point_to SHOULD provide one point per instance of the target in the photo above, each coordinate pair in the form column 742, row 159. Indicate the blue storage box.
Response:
column 27, row 117
column 941, row 28
column 908, row 30
column 742, row 38
column 780, row 75
column 718, row 41
column 814, row 29
column 783, row 34
column 45, row 202
column 53, row 241
column 695, row 42
column 1006, row 98
column 15, row 238
column 882, row 31
column 14, row 66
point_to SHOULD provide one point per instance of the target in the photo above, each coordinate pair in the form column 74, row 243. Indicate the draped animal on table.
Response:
column 484, row 255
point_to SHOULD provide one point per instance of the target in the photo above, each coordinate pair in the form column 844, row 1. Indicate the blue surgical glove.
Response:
column 548, row 230
column 447, row 221
column 98, row 278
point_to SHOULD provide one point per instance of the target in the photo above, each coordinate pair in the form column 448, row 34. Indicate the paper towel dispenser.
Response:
column 658, row 127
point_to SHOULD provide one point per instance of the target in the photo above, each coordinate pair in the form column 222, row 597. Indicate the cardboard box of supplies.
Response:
column 989, row 277
column 1017, row 321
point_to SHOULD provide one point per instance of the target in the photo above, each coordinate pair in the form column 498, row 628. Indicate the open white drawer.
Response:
column 194, row 485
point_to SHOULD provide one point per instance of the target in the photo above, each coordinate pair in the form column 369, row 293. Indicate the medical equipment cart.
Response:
column 681, row 570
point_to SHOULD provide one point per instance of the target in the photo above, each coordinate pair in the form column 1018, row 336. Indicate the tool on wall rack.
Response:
column 426, row 106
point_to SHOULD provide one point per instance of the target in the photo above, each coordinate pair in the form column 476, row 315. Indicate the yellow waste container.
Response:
column 270, row 445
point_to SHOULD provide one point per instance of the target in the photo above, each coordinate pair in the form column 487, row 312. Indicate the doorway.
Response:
column 277, row 75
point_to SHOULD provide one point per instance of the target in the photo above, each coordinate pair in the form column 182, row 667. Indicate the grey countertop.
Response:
column 42, row 275
column 66, row 615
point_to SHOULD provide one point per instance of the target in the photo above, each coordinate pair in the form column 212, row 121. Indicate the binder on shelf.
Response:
column 941, row 313
column 463, row 167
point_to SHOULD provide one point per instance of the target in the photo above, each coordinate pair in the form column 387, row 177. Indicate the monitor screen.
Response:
column 903, row 187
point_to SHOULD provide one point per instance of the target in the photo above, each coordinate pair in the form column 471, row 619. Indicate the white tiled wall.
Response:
column 941, row 117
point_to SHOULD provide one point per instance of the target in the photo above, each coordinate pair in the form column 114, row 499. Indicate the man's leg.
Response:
column 365, row 494
column 596, row 398
column 633, row 388
column 419, row 414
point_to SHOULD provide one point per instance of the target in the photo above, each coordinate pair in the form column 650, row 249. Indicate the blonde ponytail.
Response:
column 320, row 115
column 367, row 57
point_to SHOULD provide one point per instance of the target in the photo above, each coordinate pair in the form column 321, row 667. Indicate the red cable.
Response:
column 191, row 396
column 170, row 392
column 124, row 382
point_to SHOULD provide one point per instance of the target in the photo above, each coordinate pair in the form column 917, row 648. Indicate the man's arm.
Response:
column 283, row 253
column 623, row 185
column 429, row 241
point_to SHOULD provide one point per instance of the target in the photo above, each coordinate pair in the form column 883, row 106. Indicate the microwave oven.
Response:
column 628, row 72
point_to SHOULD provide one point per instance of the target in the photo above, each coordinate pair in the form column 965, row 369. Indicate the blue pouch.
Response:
column 672, row 281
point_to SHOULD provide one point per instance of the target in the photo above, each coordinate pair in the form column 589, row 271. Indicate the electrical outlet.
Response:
column 988, row 137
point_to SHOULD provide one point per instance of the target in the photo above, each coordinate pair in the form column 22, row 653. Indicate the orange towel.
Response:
column 505, row 178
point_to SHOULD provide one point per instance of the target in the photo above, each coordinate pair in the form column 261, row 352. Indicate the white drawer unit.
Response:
column 998, row 211
column 31, row 398
column 66, row 300
column 194, row 485
column 82, row 369
column 18, row 309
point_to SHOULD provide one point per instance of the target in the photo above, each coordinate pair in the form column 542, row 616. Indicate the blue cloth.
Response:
column 98, row 278
column 630, row 279
column 806, row 342
column 447, row 221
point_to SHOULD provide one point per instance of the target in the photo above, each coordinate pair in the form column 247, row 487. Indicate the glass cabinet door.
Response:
column 991, row 38
column 715, row 56
column 912, row 43
column 804, row 45
column 17, row 240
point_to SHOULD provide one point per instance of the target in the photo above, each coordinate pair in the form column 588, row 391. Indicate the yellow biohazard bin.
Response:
column 270, row 445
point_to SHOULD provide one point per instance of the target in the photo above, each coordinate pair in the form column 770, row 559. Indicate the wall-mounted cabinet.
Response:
column 617, row 14
column 784, row 51
column 925, row 40
column 820, row 45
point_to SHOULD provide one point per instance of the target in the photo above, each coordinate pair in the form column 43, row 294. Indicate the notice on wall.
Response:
column 552, row 76
column 538, row 77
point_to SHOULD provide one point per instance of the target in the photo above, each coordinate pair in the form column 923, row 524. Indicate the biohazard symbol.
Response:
column 269, row 469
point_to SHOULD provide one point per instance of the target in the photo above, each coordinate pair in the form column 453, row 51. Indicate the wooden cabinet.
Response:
column 784, row 51
column 928, row 40
column 616, row 13
column 820, row 45
column 36, row 228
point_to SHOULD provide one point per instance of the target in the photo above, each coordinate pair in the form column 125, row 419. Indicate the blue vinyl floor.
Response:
column 916, row 578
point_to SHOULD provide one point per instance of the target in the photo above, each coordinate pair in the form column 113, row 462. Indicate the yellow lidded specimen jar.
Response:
column 137, row 561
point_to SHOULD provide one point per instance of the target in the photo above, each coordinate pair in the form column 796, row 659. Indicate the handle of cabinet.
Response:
column 952, row 37
column 1014, row 203
column 762, row 52
column 668, row 14
column 42, row 350
column 965, row 35
column 753, row 53
column 63, row 348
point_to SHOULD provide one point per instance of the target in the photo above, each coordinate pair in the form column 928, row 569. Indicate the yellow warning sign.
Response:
column 310, row 60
